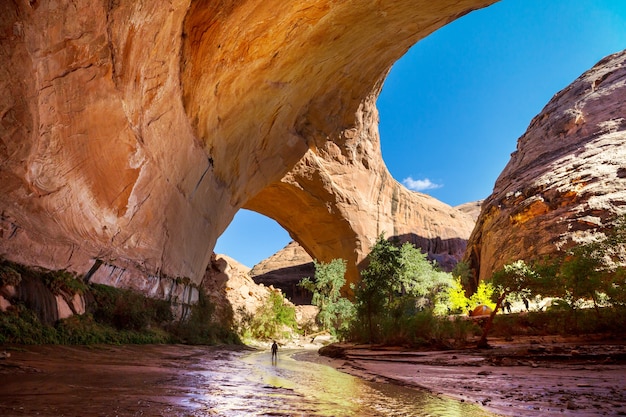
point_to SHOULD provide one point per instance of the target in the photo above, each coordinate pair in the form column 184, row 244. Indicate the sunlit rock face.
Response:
column 566, row 179
column 132, row 131
column 472, row 208
column 231, row 291
column 235, row 297
column 340, row 197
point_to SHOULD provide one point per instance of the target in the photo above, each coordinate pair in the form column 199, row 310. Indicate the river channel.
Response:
column 185, row 381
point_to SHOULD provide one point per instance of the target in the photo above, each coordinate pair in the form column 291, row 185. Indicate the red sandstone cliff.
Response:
column 566, row 179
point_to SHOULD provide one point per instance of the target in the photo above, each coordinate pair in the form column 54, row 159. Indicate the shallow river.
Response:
column 197, row 381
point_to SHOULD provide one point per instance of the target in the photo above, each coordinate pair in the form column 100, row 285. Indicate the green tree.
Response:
column 335, row 311
column 378, row 279
column 483, row 295
column 596, row 269
column 418, row 276
column 512, row 278
column 398, row 280
column 463, row 272
column 275, row 318
column 591, row 271
column 458, row 302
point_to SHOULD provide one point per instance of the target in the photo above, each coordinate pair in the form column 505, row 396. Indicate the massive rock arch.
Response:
column 132, row 131
column 340, row 197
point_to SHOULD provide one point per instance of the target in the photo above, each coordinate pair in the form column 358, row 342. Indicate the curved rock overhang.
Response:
column 340, row 197
column 132, row 131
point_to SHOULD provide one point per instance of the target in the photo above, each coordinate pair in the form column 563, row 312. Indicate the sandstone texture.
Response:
column 472, row 208
column 132, row 131
column 229, row 287
column 340, row 197
column 236, row 296
column 567, row 179
column 284, row 270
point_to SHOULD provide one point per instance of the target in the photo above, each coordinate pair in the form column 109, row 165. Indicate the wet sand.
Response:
column 534, row 377
column 531, row 377
column 198, row 381
column 104, row 380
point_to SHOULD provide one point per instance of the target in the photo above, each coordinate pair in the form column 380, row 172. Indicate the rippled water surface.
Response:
column 195, row 381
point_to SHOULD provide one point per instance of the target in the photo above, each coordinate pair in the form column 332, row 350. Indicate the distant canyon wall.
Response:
column 132, row 131
column 567, row 179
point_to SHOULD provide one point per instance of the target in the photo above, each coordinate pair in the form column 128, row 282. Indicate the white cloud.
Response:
column 420, row 185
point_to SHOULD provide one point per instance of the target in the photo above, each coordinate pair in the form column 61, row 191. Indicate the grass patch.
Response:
column 21, row 325
column 422, row 329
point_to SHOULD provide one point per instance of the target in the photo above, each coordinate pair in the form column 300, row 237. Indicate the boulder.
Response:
column 4, row 304
column 231, row 290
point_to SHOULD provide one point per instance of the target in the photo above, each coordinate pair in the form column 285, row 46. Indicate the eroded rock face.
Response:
column 230, row 289
column 566, row 179
column 472, row 208
column 340, row 197
column 285, row 269
column 132, row 131
column 236, row 297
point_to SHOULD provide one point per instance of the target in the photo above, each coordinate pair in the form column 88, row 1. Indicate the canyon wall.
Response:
column 567, row 179
column 132, row 131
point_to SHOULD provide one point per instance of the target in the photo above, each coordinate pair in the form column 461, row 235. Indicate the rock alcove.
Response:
column 132, row 132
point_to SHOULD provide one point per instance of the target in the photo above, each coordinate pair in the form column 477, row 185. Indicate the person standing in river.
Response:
column 274, row 351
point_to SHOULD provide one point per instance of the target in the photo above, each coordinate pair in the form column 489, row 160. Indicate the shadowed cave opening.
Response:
column 451, row 109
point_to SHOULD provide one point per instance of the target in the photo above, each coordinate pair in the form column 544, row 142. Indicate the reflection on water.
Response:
column 253, row 386
column 197, row 381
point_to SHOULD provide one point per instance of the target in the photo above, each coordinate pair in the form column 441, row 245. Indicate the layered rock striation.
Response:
column 567, row 179
column 132, row 131
column 285, row 269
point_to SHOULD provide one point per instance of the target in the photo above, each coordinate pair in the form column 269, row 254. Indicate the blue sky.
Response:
column 452, row 108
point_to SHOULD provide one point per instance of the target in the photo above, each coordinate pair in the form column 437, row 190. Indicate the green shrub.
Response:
column 83, row 330
column 21, row 325
column 335, row 312
column 274, row 319
column 399, row 280
column 127, row 309
column 200, row 329
column 561, row 321
column 9, row 275
column 423, row 329
column 62, row 281
column 114, row 315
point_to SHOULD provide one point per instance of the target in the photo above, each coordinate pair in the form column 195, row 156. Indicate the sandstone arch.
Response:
column 132, row 131
column 340, row 197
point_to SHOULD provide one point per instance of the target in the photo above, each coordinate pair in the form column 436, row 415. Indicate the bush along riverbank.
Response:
column 55, row 307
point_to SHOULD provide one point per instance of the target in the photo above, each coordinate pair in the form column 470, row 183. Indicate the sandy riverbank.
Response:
column 546, row 376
